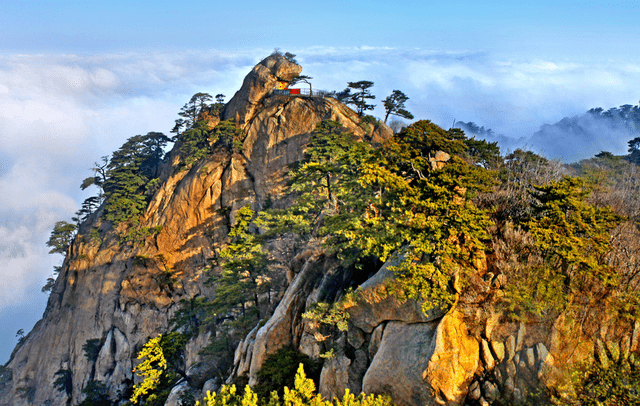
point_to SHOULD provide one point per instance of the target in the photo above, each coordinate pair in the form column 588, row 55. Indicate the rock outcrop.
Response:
column 390, row 347
column 257, row 84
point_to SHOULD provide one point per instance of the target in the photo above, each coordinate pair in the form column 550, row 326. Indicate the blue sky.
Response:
column 588, row 29
column 77, row 78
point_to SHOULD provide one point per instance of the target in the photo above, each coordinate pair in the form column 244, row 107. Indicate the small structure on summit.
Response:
column 282, row 88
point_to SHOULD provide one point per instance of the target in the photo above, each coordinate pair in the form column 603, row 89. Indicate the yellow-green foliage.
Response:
column 128, row 173
column 335, row 314
column 331, row 314
column 373, row 203
column 163, row 365
column 423, row 210
column 201, row 140
column 612, row 383
column 138, row 235
column 573, row 238
column 151, row 368
column 245, row 269
column 302, row 394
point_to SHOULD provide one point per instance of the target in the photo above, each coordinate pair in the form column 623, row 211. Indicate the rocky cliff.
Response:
column 121, row 294
column 114, row 292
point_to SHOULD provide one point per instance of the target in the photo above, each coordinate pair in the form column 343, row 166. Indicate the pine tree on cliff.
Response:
column 325, row 182
column 360, row 97
column 244, row 270
column 398, row 199
column 192, row 109
column 574, row 238
column 394, row 105
column 98, row 179
column 131, row 168
column 61, row 237
column 422, row 209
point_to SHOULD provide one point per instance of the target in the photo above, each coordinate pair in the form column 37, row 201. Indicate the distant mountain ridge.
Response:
column 572, row 138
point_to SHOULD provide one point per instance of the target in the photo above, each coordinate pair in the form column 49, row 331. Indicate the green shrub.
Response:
column 63, row 382
column 91, row 349
column 279, row 370
column 595, row 384
column 96, row 394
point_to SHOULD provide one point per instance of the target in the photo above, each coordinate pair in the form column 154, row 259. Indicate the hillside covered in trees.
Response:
column 571, row 138
column 284, row 235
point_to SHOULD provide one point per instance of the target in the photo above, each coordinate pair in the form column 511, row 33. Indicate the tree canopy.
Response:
column 161, row 367
column 574, row 238
column 130, row 170
column 398, row 199
column 360, row 97
column 394, row 105
column 192, row 109
column 61, row 237
column 244, row 271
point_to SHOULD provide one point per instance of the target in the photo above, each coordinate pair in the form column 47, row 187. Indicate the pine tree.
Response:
column 227, row 135
column 634, row 150
column 61, row 237
column 394, row 105
column 96, row 394
column 244, row 271
column 422, row 210
column 192, row 109
column 161, row 367
column 130, row 169
column 574, row 238
column 99, row 175
column 63, row 382
column 359, row 99
column 395, row 200
column 326, row 184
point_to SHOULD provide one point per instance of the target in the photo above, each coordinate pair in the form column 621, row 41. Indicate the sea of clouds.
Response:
column 61, row 113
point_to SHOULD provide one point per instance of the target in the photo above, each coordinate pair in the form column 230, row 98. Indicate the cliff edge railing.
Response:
column 303, row 93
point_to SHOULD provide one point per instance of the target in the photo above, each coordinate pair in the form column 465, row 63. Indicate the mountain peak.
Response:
column 257, row 84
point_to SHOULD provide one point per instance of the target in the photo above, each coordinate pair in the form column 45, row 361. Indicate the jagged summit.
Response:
column 257, row 84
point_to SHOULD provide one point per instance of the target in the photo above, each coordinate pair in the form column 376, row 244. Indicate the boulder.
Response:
column 398, row 365
column 455, row 359
column 176, row 393
column 376, row 305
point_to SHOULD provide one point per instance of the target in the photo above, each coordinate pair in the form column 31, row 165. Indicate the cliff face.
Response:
column 121, row 294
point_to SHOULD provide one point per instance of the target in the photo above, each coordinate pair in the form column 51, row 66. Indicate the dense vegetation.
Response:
column 446, row 208
column 401, row 199
column 444, row 203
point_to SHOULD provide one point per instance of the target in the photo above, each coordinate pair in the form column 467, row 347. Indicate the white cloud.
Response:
column 24, row 257
column 59, row 114
column 29, row 207
column 26, row 187
column 512, row 96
